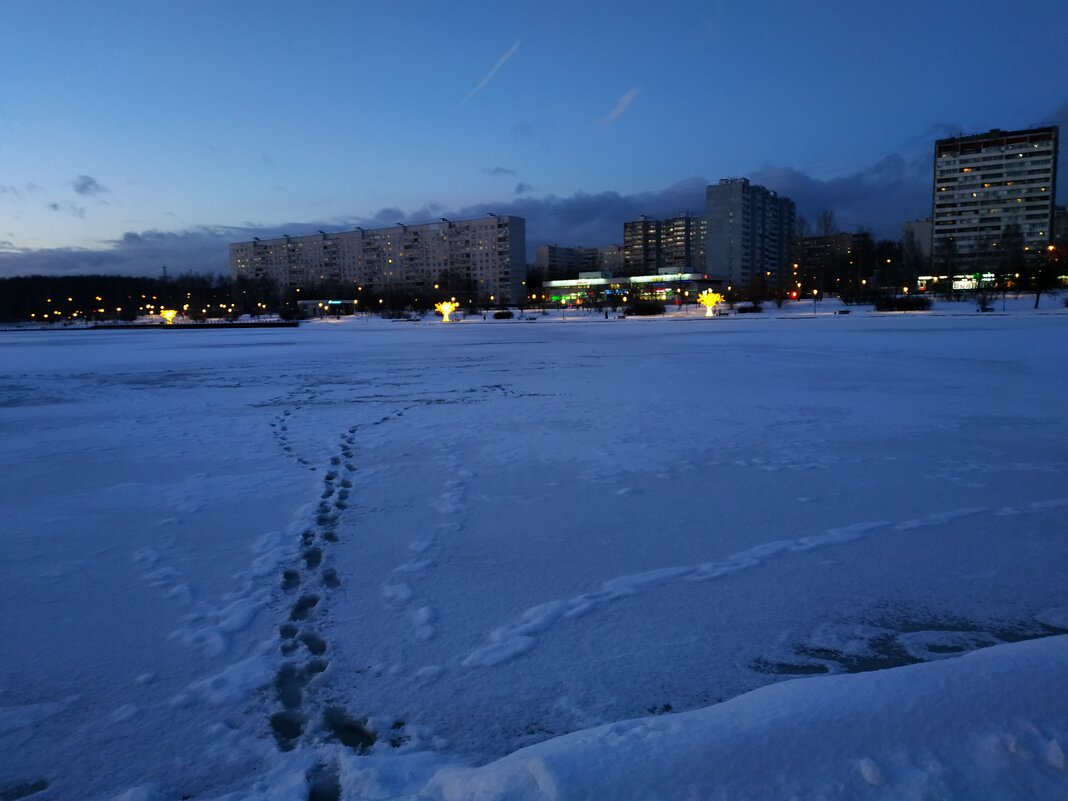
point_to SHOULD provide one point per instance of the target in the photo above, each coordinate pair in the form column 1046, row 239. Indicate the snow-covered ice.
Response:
column 537, row 559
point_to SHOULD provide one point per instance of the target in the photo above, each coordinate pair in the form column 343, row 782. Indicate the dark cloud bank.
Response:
column 881, row 197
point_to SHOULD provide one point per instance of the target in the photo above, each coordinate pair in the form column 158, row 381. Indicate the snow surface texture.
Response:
column 359, row 559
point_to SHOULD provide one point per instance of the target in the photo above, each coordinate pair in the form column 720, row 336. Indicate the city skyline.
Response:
column 125, row 149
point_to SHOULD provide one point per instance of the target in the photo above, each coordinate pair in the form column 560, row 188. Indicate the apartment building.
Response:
column 750, row 232
column 986, row 184
column 557, row 262
column 653, row 245
column 484, row 258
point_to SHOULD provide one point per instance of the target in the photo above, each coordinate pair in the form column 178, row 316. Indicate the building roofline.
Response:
column 997, row 133
column 394, row 227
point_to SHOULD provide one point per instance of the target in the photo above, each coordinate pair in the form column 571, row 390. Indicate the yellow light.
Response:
column 168, row 315
column 709, row 300
column 446, row 307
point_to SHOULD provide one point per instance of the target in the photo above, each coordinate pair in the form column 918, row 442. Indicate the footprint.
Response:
column 289, row 686
column 302, row 608
column 330, row 578
column 23, row 790
column 313, row 642
column 287, row 728
column 323, row 783
column 347, row 730
column 290, row 580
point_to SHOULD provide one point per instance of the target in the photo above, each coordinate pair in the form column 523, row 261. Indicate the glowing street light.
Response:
column 168, row 315
column 709, row 300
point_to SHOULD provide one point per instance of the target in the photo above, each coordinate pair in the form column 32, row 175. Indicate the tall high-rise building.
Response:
column 750, row 232
column 989, row 188
column 641, row 246
column 831, row 263
column 1060, row 225
column 682, row 242
column 555, row 262
column 916, row 235
column 652, row 245
column 484, row 258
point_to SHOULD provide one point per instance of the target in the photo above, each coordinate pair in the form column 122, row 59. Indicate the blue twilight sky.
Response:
column 142, row 133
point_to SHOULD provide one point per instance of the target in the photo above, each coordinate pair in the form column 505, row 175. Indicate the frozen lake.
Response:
column 229, row 555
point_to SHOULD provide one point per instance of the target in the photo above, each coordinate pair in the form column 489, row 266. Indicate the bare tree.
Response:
column 826, row 224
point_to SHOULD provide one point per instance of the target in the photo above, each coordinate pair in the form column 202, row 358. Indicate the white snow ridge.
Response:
column 792, row 557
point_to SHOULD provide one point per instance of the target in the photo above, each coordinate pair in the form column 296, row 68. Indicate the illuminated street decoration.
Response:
column 446, row 307
column 709, row 300
column 168, row 315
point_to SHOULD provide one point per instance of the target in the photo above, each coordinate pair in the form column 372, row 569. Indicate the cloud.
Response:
column 200, row 250
column 582, row 219
column 88, row 185
column 73, row 209
column 621, row 106
column 489, row 75
column 882, row 196
column 894, row 189
column 499, row 171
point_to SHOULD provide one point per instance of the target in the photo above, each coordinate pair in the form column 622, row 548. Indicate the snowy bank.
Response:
column 989, row 725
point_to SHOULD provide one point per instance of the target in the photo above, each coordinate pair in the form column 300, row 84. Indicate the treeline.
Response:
column 119, row 297
column 99, row 298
